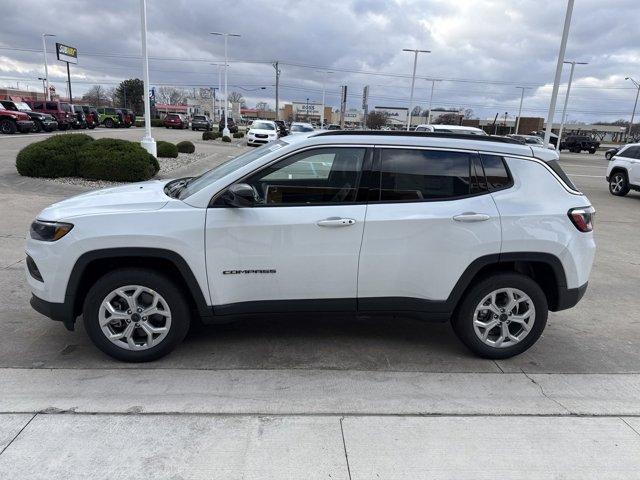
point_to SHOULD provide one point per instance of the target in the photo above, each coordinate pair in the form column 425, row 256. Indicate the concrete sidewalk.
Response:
column 81, row 446
column 316, row 392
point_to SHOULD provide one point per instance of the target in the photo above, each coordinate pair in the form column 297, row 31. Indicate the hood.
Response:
column 142, row 197
column 263, row 131
column 16, row 115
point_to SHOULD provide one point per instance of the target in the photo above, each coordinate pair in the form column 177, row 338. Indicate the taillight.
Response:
column 583, row 218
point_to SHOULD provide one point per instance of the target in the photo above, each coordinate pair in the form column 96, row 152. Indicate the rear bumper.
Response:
column 569, row 297
column 60, row 312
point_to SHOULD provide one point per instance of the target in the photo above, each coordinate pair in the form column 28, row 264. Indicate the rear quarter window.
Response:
column 496, row 172
column 557, row 169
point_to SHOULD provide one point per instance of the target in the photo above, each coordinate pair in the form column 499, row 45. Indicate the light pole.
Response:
column 520, row 108
column 225, row 132
column 413, row 79
column 148, row 143
column 324, row 84
column 556, row 80
column 219, row 80
column 633, row 114
column 44, row 87
column 566, row 98
column 46, row 67
column 433, row 85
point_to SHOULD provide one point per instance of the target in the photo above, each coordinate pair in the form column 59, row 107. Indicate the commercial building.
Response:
column 305, row 112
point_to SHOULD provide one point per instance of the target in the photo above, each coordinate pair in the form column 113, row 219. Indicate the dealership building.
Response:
column 305, row 112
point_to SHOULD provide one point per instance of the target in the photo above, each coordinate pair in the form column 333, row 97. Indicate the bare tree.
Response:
column 416, row 112
column 262, row 106
column 467, row 113
column 376, row 120
column 236, row 97
column 449, row 118
column 171, row 95
column 97, row 95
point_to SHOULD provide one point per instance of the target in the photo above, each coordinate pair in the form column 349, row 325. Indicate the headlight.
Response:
column 49, row 231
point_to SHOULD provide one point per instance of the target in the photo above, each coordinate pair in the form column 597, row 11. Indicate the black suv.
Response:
column 201, row 122
column 231, row 125
column 578, row 143
column 41, row 121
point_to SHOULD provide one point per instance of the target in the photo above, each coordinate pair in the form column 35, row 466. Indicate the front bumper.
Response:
column 50, row 125
column 24, row 125
column 60, row 312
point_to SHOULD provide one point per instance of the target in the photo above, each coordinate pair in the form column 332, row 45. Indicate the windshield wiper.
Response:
column 174, row 188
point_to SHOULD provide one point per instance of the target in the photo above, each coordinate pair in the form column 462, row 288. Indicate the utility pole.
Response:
column 275, row 65
column 44, row 87
column 413, row 80
column 46, row 66
column 520, row 108
column 556, row 81
column 324, row 86
column 633, row 114
column 566, row 98
column 433, row 84
column 148, row 143
column 225, row 131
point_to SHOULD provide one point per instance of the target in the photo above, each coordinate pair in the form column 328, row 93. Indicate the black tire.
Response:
column 592, row 151
column 619, row 176
column 462, row 321
column 108, row 123
column 172, row 294
column 608, row 156
column 37, row 126
column 8, row 126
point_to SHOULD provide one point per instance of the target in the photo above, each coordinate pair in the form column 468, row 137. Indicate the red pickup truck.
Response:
column 11, row 121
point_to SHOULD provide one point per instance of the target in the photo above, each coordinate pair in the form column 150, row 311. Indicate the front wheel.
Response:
column 37, row 126
column 8, row 126
column 136, row 315
column 108, row 123
column 618, row 184
column 501, row 316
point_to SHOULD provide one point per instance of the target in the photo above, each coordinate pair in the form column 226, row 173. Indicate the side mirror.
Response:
column 240, row 195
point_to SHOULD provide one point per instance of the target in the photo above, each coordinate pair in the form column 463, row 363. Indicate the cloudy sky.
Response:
column 481, row 49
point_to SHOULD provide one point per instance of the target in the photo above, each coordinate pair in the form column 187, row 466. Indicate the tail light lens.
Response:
column 583, row 218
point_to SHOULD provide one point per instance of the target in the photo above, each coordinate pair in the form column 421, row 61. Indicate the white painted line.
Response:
column 589, row 176
column 582, row 166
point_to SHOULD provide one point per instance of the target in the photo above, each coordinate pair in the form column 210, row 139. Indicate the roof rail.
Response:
column 402, row 133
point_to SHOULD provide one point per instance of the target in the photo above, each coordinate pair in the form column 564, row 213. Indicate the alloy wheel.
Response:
column 504, row 317
column 134, row 317
column 617, row 183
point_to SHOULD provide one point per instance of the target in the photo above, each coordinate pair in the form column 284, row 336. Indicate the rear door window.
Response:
column 52, row 106
column 422, row 175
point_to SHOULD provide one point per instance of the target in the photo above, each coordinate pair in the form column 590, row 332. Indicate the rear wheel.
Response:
column 592, row 151
column 109, row 123
column 136, row 315
column 501, row 316
column 37, row 126
column 619, row 184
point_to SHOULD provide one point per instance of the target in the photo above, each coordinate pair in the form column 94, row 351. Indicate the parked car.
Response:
column 283, row 131
column 315, row 225
column 175, row 120
column 109, row 117
column 450, row 129
column 578, row 143
column 124, row 117
column 12, row 121
column 261, row 132
column 91, row 116
column 41, row 121
column 623, row 171
column 201, row 122
column 231, row 124
column 300, row 127
column 610, row 153
column 333, row 126
column 79, row 118
column 531, row 140
column 553, row 138
column 61, row 111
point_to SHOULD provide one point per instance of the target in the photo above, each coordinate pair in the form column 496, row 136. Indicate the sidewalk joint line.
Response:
column 18, row 434
column 344, row 445
column 499, row 367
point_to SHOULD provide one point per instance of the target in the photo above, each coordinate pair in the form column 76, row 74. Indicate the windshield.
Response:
column 536, row 140
column 207, row 178
column 23, row 107
column 262, row 126
column 301, row 128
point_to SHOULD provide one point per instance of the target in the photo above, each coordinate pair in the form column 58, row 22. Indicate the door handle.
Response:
column 335, row 222
column 471, row 217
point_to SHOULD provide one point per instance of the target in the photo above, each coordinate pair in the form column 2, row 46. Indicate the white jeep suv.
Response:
column 623, row 172
column 485, row 232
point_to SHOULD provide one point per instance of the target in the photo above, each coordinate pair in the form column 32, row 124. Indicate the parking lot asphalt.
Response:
column 349, row 375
